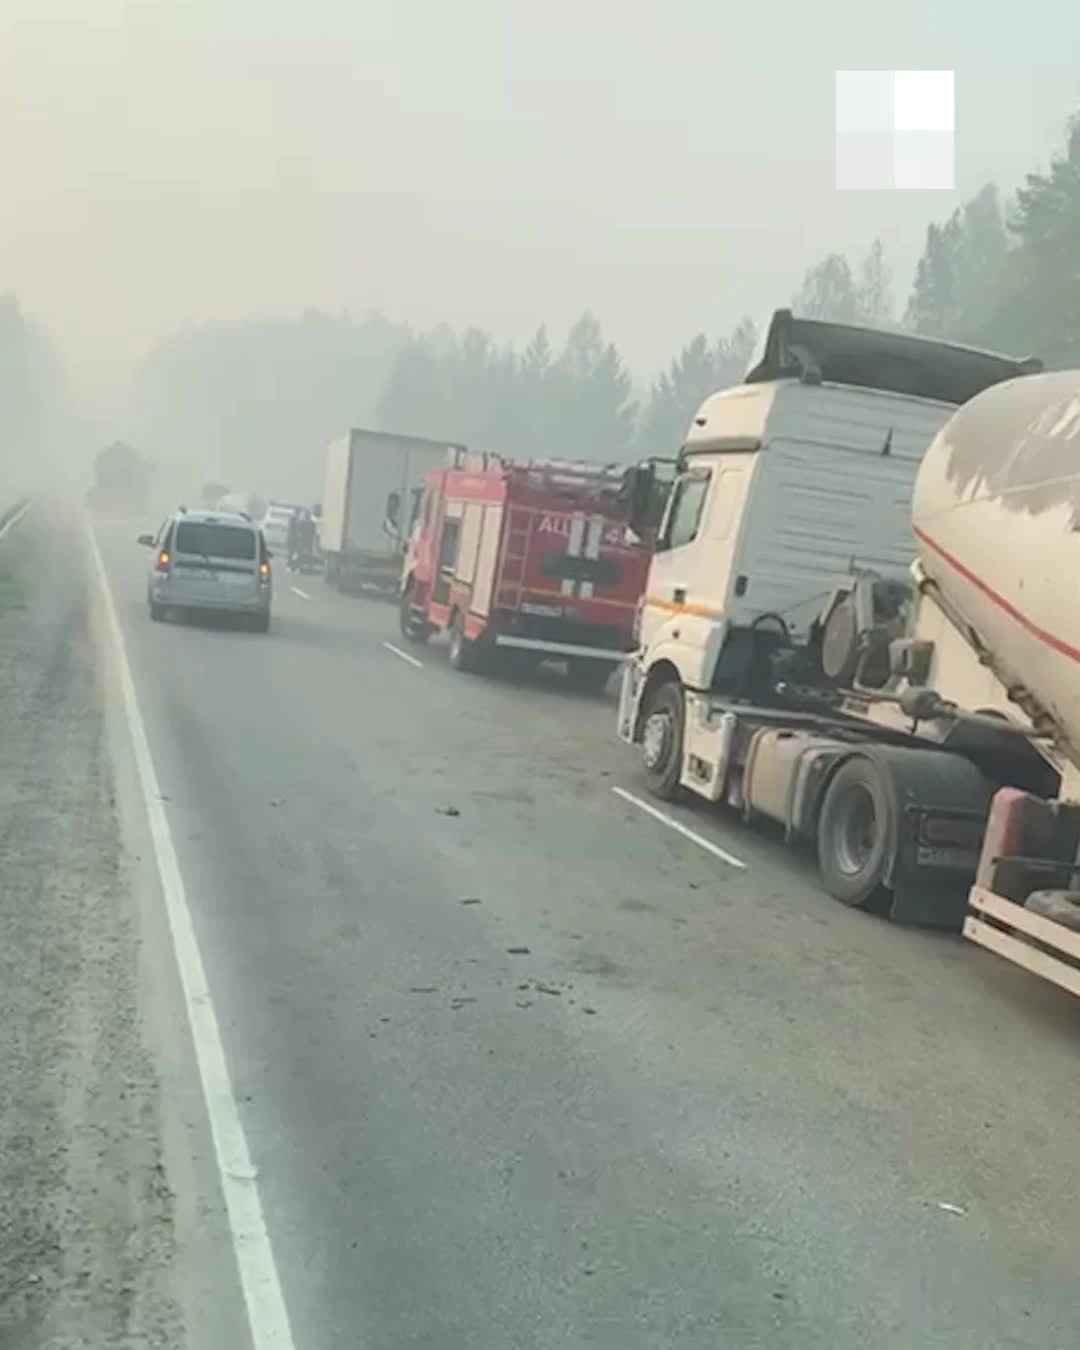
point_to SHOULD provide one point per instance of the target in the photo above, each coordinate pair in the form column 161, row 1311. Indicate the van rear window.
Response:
column 215, row 541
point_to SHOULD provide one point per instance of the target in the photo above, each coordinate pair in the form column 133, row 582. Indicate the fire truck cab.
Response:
column 532, row 558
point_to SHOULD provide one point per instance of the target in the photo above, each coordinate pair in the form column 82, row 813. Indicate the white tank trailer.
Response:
column 996, row 515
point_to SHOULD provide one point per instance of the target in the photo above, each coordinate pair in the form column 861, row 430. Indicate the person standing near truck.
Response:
column 293, row 540
column 305, row 537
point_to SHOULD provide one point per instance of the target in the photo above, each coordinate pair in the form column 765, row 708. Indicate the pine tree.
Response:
column 873, row 292
column 828, row 292
column 414, row 401
column 1041, row 291
column 698, row 371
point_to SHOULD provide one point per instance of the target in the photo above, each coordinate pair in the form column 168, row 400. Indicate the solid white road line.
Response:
column 297, row 591
column 268, row 1318
column 10, row 524
column 404, row 655
column 680, row 828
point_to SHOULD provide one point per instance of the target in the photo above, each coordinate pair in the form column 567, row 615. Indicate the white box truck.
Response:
column 372, row 487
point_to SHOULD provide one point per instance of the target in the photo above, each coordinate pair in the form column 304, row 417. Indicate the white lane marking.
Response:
column 268, row 1318
column 404, row 655
column 680, row 828
column 297, row 591
column 10, row 524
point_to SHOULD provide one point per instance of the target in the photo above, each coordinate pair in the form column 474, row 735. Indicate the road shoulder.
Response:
column 87, row 1228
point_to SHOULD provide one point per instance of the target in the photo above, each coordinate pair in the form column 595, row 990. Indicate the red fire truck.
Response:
column 531, row 559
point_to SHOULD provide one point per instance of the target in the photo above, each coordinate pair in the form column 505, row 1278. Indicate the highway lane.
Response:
column 519, row 1066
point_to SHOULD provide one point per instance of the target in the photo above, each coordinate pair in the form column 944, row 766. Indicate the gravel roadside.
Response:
column 86, row 1219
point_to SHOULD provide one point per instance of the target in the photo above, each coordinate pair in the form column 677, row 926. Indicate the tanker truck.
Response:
column 880, row 732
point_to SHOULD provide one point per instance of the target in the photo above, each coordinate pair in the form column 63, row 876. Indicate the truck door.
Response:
column 697, row 545
column 673, row 561
column 449, row 539
column 420, row 563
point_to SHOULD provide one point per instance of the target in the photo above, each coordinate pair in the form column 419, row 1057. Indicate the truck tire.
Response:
column 856, row 834
column 463, row 653
column 663, row 725
column 413, row 629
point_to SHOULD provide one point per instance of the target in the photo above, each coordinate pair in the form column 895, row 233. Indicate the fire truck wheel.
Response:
column 463, row 654
column 662, row 740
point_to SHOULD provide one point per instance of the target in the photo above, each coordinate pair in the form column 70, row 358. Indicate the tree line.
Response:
column 575, row 402
column 255, row 403
column 33, row 397
column 998, row 273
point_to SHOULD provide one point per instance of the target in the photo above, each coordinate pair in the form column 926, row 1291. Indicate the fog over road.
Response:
column 518, row 1066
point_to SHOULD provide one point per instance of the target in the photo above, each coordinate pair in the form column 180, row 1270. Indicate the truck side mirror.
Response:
column 147, row 540
column 393, row 507
column 642, row 487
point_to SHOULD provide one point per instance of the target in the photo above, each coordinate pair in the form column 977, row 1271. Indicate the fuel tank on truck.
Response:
column 996, row 516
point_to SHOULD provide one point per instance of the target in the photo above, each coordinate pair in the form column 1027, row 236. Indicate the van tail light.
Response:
column 264, row 571
column 163, row 561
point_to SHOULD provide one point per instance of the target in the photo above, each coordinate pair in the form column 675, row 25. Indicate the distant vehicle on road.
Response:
column 122, row 481
column 209, row 562
column 373, row 481
column 275, row 524
column 530, row 559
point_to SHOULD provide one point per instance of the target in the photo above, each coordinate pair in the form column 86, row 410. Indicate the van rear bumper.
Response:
column 226, row 601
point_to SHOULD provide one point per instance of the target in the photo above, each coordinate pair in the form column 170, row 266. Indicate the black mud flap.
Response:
column 942, row 803
column 934, row 866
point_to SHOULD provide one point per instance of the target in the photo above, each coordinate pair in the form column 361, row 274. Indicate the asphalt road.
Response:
column 520, row 1066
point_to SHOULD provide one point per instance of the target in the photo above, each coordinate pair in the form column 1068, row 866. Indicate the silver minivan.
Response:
column 209, row 561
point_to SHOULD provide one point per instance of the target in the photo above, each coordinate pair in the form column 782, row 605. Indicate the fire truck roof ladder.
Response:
column 577, row 476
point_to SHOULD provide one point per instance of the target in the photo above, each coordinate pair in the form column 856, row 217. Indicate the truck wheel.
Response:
column 413, row 629
column 662, row 740
column 463, row 653
column 587, row 674
column 855, row 834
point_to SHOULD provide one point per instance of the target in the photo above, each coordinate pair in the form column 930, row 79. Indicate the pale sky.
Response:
column 669, row 165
